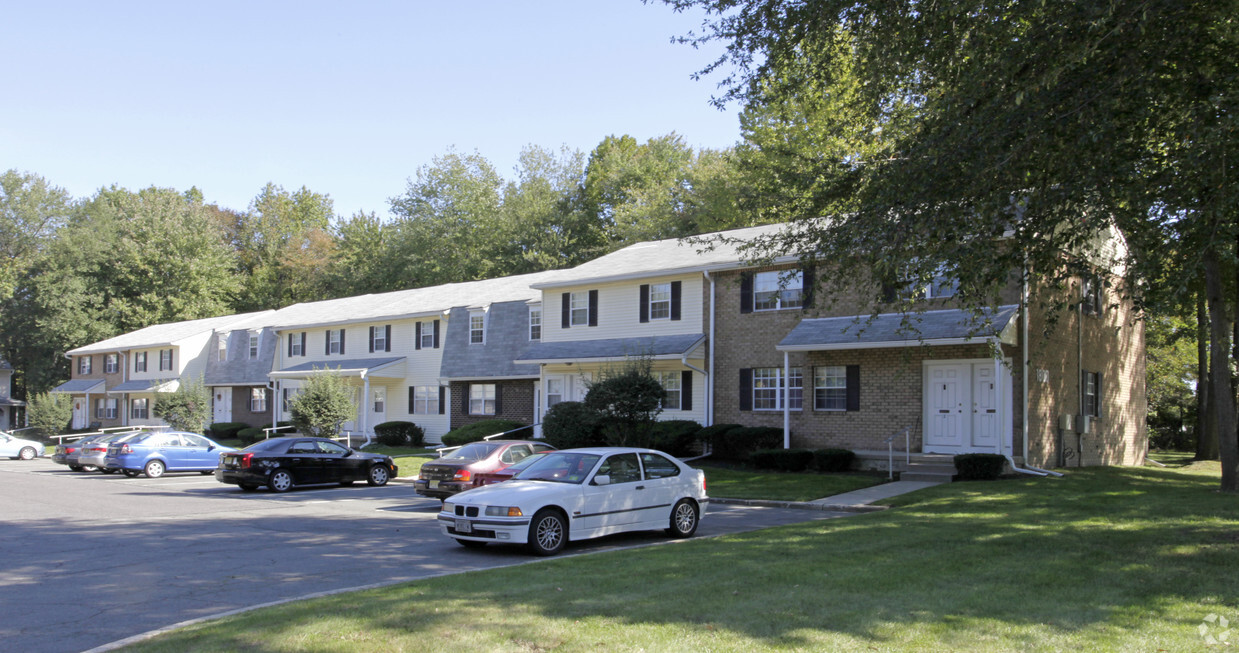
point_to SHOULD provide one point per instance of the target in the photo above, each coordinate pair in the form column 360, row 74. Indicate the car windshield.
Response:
column 523, row 464
column 561, row 467
column 475, row 451
column 276, row 445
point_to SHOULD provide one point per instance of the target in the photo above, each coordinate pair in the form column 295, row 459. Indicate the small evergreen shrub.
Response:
column 226, row 430
column 782, row 460
column 979, row 466
column 478, row 430
column 737, row 443
column 571, row 424
column 833, row 460
column 677, row 437
column 399, row 434
column 250, row 435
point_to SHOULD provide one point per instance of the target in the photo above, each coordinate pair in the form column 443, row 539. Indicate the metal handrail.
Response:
column 60, row 439
column 890, row 450
column 266, row 433
column 442, row 450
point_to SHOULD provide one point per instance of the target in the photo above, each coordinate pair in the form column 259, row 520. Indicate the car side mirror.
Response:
column 210, row 447
column 602, row 479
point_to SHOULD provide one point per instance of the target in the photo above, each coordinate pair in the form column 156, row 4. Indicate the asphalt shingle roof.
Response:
column 897, row 329
column 166, row 334
column 612, row 348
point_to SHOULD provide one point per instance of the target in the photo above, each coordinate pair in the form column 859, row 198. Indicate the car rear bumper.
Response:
column 440, row 489
column 241, row 477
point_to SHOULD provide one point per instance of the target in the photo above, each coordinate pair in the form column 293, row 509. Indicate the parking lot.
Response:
column 93, row 558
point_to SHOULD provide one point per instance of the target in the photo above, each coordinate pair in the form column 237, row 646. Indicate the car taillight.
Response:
column 463, row 475
column 70, row 449
column 124, row 448
column 245, row 460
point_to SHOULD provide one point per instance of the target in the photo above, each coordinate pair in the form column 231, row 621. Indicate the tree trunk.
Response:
column 1222, row 396
column 1206, row 426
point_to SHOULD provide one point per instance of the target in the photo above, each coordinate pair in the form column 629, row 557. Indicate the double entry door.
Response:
column 967, row 406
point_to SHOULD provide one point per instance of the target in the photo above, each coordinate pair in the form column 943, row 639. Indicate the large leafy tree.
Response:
column 188, row 408
column 30, row 212
column 283, row 243
column 961, row 122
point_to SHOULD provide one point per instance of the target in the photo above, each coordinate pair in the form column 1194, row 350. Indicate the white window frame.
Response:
column 660, row 301
column 254, row 344
column 334, row 341
column 110, row 408
column 139, row 362
column 294, row 345
column 84, row 365
column 379, row 341
column 535, row 323
column 671, row 383
column 140, row 413
column 1091, row 400
column 258, row 400
column 99, row 408
column 165, row 364
column 776, row 290
column 482, row 398
column 556, row 390
column 221, row 348
column 428, row 335
column 578, row 309
column 769, row 390
column 111, row 363
column 830, row 386
column 379, row 399
column 426, row 400
column 1091, row 295
column 477, row 328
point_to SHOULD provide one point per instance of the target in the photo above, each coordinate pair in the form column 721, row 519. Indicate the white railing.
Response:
column 890, row 450
column 60, row 439
column 266, row 433
column 443, row 450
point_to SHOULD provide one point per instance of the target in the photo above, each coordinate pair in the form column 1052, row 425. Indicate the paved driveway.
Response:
column 90, row 559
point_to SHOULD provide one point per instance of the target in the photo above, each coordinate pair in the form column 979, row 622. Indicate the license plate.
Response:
column 433, row 484
column 463, row 526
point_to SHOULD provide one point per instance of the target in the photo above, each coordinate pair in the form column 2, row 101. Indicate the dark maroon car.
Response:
column 457, row 470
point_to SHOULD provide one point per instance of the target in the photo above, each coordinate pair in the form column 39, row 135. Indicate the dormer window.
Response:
column 253, row 346
column 477, row 327
column 535, row 322
column 222, row 348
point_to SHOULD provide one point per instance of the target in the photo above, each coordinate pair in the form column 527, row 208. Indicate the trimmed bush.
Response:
column 226, row 430
column 782, row 460
column 478, row 430
column 979, row 466
column 571, row 424
column 677, row 437
column 833, row 460
column 399, row 434
column 250, row 435
column 737, row 443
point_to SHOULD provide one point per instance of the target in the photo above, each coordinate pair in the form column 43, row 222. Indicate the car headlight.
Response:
column 503, row 511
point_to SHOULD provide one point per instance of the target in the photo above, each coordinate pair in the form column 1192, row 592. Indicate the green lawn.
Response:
column 1104, row 559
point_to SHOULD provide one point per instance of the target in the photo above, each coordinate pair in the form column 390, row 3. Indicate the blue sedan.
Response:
column 156, row 453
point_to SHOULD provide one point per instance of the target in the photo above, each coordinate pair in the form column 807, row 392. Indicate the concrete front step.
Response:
column 934, row 471
column 926, row 477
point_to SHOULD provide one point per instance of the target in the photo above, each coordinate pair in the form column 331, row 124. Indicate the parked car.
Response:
column 18, row 448
column 69, row 453
column 283, row 463
column 95, row 453
column 507, row 473
column 577, row 494
column 455, row 472
column 154, row 453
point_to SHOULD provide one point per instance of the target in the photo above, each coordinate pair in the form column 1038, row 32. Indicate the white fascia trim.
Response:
column 891, row 344
column 607, row 359
column 664, row 272
column 369, row 320
column 444, row 380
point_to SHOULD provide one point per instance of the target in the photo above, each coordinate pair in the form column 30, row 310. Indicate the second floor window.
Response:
column 477, row 328
column 253, row 347
column 579, row 315
column 777, row 289
column 1091, row 390
column 380, row 338
column 426, row 335
column 296, row 344
column 1090, row 295
column 111, row 363
column 222, row 348
column 535, row 323
column 335, row 341
column 139, row 362
column 660, row 301
column 83, row 365
column 165, row 359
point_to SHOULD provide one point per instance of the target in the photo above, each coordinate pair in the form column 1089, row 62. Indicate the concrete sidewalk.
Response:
column 855, row 501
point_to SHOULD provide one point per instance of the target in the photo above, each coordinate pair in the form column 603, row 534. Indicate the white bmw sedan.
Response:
column 576, row 494
column 15, row 447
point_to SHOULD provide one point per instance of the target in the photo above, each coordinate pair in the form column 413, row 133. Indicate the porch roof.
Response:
column 381, row 367
column 934, row 328
column 613, row 349
column 79, row 386
column 9, row 401
column 145, row 385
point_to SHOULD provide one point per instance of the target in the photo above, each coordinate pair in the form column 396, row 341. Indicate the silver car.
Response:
column 17, row 448
column 94, row 453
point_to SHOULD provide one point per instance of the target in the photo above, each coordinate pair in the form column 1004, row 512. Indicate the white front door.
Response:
column 966, row 403
column 79, row 413
column 222, row 398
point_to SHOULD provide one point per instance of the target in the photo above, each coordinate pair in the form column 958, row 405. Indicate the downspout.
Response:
column 787, row 400
column 710, row 364
column 1029, row 469
column 364, row 409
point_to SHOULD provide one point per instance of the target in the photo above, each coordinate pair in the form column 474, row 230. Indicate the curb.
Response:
column 801, row 505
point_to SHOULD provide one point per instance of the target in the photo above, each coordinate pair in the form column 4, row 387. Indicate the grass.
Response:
column 741, row 483
column 1103, row 559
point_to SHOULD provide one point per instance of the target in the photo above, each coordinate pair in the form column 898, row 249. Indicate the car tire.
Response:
column 154, row 469
column 27, row 453
column 548, row 531
column 470, row 544
column 76, row 468
column 247, row 487
column 207, row 471
column 378, row 476
column 87, row 468
column 107, row 470
column 684, row 519
column 131, row 473
column 280, row 481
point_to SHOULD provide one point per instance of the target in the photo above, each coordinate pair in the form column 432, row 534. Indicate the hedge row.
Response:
column 478, row 430
column 798, row 460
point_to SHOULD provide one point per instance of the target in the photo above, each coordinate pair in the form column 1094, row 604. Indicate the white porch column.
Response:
column 365, row 403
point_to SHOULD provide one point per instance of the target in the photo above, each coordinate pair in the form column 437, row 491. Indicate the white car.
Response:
column 15, row 447
column 576, row 494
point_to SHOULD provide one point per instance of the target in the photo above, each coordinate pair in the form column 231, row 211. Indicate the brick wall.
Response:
column 241, row 407
column 517, row 402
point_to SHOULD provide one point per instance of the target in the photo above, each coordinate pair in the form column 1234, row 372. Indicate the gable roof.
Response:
column 415, row 302
column 158, row 335
column 945, row 327
column 664, row 258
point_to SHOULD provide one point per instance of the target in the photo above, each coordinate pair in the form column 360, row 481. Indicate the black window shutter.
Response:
column 566, row 313
column 853, row 387
column 593, row 308
column 1098, row 389
column 436, row 334
column 327, row 342
column 686, row 389
column 341, row 341
column 442, row 399
column 371, row 340
column 417, row 335
column 746, row 294
column 675, row 301
column 746, row 388
column 290, row 350
column 498, row 399
column 643, row 313
column 303, row 351
column 386, row 339
column 412, row 398
column 810, row 283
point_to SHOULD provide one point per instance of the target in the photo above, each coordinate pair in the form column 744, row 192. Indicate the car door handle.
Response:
column 640, row 487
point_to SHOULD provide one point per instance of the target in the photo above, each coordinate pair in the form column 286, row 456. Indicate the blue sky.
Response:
column 346, row 98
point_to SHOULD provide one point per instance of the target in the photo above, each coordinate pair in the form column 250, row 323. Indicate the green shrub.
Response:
column 783, row 460
column 711, row 435
column 571, row 424
column 399, row 434
column 677, row 437
column 226, row 430
column 833, row 460
column 737, row 443
column 250, row 435
column 478, row 430
column 979, row 466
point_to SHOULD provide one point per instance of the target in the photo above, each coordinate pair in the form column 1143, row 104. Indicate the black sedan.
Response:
column 281, row 463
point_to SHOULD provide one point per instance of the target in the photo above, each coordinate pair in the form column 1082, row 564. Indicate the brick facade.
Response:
column 241, row 407
column 516, row 402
